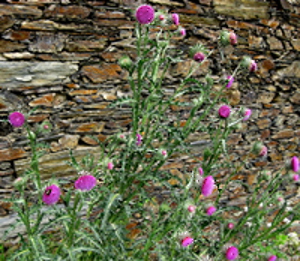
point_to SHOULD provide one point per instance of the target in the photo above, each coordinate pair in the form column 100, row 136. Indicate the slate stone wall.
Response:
column 62, row 57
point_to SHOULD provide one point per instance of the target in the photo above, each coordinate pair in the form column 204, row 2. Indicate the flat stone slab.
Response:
column 20, row 74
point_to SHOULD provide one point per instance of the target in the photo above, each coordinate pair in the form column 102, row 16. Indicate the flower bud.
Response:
column 125, row 62
column 175, row 19
column 227, row 38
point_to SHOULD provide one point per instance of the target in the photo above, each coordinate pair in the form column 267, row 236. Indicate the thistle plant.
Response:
column 127, row 205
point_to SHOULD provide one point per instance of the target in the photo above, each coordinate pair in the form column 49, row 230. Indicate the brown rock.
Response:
column 295, row 98
column 17, row 35
column 82, row 92
column 255, row 42
column 284, row 134
column 99, row 74
column 5, row 23
column 252, row 9
column 8, row 46
column 271, row 23
column 291, row 71
column 296, row 44
column 266, row 97
column 173, row 165
column 263, row 124
column 94, row 127
column 37, row 118
column 20, row 10
column 265, row 134
column 110, row 15
column 46, row 100
column 274, row 43
column 66, row 142
column 12, row 154
column 85, row 46
column 68, row 12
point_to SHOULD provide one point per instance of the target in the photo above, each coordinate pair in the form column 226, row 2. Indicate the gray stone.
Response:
column 291, row 71
column 55, row 164
column 246, row 9
column 20, row 74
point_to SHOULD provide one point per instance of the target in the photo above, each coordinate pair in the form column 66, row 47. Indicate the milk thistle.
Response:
column 16, row 119
column 51, row 195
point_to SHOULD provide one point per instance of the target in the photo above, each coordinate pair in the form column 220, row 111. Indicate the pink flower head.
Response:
column 199, row 57
column 85, row 183
column 253, row 66
column 230, row 225
column 207, row 186
column 164, row 153
column 145, row 14
column 295, row 164
column 182, row 31
column 224, row 111
column 247, row 114
column 231, row 253
column 110, row 165
column 264, row 151
column 191, row 208
column 187, row 241
column 16, row 119
column 161, row 17
column 51, row 195
column 230, row 82
column 296, row 177
column 201, row 172
column 139, row 139
column 272, row 258
column 232, row 38
column 211, row 210
column 175, row 18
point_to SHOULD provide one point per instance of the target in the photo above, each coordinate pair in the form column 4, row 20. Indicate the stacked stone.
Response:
column 61, row 57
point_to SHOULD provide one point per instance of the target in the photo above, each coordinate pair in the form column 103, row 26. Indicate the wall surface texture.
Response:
column 61, row 58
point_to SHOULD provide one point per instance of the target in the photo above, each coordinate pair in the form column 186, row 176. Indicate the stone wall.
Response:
column 62, row 57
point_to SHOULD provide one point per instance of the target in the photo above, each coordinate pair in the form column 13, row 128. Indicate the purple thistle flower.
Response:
column 139, row 139
column 16, row 119
column 199, row 57
column 295, row 164
column 175, row 18
column 224, row 111
column 296, row 177
column 232, row 38
column 231, row 253
column 191, row 208
column 51, row 195
column 110, row 165
column 182, row 31
column 247, row 114
column 230, row 82
column 187, row 241
column 211, row 210
column 201, row 172
column 207, row 186
column 230, row 225
column 145, row 14
column 263, row 152
column 253, row 66
column 85, row 183
column 272, row 258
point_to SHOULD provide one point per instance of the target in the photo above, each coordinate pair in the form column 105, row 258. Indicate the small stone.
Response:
column 68, row 12
column 274, row 43
column 295, row 98
column 99, row 74
column 264, row 124
column 284, row 134
column 46, row 100
column 12, row 154
column 5, row 23
column 266, row 97
column 296, row 44
column 93, row 127
column 18, row 56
